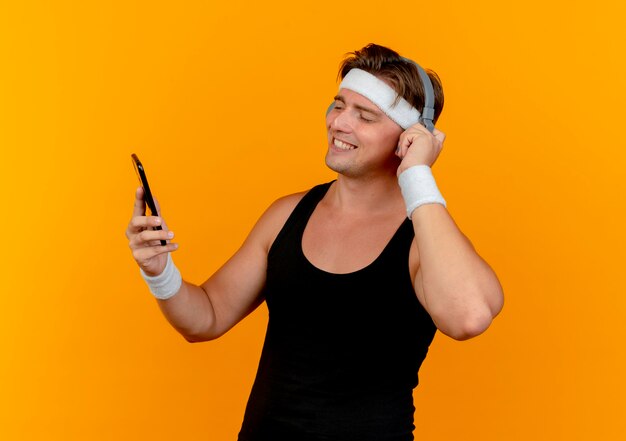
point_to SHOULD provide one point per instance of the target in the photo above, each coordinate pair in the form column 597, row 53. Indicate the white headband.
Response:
column 381, row 94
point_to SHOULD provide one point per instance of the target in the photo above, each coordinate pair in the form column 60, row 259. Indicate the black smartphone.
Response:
column 147, row 194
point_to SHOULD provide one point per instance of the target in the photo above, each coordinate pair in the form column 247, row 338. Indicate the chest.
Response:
column 343, row 244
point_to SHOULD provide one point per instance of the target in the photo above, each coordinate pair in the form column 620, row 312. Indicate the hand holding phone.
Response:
column 147, row 194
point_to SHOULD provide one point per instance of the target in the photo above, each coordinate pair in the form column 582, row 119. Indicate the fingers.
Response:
column 146, row 238
column 408, row 137
column 139, row 208
column 159, row 213
column 414, row 132
column 403, row 145
column 439, row 135
column 418, row 146
column 140, row 223
column 147, row 244
column 145, row 254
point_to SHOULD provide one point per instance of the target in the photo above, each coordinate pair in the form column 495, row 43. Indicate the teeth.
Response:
column 342, row 145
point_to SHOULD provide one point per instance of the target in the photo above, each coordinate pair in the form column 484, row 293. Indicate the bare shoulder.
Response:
column 281, row 208
column 272, row 220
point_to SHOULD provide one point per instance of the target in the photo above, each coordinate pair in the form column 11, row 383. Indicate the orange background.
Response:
column 224, row 103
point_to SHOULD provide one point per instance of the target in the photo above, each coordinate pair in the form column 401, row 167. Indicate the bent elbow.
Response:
column 197, row 337
column 470, row 326
column 478, row 322
column 193, row 339
column 475, row 318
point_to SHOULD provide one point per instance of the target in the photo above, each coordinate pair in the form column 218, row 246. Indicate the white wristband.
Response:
column 166, row 284
column 418, row 188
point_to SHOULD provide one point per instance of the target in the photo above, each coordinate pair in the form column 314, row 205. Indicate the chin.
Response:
column 347, row 170
column 333, row 166
column 336, row 166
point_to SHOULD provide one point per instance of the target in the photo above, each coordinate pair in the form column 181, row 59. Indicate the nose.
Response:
column 339, row 121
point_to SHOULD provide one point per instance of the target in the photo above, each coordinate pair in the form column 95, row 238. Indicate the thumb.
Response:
column 439, row 135
column 139, row 207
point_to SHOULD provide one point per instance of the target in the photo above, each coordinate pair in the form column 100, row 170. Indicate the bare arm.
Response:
column 454, row 284
column 205, row 312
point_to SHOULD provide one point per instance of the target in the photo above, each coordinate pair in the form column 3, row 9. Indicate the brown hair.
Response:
column 400, row 73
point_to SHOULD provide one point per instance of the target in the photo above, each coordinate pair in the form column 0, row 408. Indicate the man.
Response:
column 358, row 274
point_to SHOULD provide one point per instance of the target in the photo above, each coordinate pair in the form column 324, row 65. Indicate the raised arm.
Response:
column 454, row 284
column 205, row 312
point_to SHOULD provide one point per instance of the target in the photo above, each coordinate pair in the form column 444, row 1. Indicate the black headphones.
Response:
column 428, row 113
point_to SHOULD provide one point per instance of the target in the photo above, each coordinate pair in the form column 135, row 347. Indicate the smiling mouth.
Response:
column 343, row 145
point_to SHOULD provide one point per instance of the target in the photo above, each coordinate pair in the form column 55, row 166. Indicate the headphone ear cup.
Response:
column 331, row 107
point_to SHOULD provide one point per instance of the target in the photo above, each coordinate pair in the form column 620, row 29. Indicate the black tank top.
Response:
column 342, row 351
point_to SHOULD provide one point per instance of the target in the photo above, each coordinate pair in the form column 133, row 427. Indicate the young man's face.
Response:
column 361, row 139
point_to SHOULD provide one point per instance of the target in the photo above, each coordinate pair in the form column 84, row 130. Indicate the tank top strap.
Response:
column 400, row 244
column 297, row 220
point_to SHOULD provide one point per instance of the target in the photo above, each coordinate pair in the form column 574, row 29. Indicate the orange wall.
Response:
column 224, row 103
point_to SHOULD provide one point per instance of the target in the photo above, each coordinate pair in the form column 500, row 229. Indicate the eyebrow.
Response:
column 360, row 107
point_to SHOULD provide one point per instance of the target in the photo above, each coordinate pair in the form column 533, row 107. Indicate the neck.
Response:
column 379, row 194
